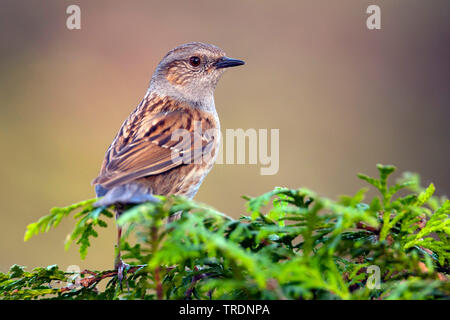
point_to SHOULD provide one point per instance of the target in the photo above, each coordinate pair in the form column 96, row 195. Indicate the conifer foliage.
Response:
column 290, row 244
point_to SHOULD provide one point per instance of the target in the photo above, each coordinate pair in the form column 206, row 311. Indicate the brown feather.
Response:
column 145, row 146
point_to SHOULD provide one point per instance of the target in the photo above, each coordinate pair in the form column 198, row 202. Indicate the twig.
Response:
column 159, row 288
column 363, row 226
column 97, row 277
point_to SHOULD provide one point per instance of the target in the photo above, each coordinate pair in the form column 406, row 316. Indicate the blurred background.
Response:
column 344, row 98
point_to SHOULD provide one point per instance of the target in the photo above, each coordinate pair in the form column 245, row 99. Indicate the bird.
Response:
column 169, row 143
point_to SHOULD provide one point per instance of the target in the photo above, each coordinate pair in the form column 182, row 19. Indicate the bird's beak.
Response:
column 226, row 62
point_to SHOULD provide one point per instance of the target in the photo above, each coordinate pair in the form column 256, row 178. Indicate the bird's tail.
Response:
column 131, row 193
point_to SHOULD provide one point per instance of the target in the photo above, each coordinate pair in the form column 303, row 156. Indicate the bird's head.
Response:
column 191, row 71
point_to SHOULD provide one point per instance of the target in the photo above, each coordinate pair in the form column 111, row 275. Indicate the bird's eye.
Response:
column 194, row 61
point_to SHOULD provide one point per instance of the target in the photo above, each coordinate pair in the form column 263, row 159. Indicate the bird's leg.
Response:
column 117, row 258
column 119, row 265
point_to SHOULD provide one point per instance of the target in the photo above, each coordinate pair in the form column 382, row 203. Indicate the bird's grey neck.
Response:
column 204, row 101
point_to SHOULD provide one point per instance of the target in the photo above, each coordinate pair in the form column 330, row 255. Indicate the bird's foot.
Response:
column 122, row 270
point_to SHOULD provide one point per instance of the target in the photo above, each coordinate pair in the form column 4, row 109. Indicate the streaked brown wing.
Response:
column 153, row 149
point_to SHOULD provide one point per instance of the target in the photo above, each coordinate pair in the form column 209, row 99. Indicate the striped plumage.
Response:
column 145, row 151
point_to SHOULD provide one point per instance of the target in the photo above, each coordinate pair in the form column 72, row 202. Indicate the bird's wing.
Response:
column 155, row 145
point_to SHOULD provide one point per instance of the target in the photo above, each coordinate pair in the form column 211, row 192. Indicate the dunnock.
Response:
column 149, row 156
